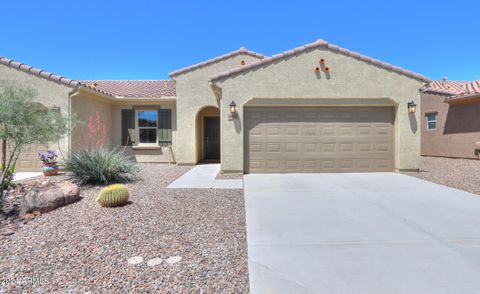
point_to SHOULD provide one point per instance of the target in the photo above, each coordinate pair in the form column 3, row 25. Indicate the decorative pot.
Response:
column 50, row 169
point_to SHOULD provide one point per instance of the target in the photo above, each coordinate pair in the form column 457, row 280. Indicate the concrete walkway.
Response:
column 360, row 233
column 25, row 175
column 204, row 177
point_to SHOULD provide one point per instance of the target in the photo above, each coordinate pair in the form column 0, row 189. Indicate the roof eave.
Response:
column 190, row 68
column 160, row 98
column 463, row 99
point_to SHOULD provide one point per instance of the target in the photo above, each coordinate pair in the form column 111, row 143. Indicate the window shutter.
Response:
column 128, row 127
column 165, row 127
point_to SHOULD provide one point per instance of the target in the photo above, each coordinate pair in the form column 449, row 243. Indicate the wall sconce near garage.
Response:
column 412, row 107
column 233, row 107
column 233, row 110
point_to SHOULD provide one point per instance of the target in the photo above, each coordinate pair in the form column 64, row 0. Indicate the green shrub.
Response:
column 8, row 178
column 113, row 195
column 101, row 165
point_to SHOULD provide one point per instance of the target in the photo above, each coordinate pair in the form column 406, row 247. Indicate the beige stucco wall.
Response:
column 294, row 77
column 193, row 94
column 86, row 106
column 155, row 155
column 48, row 92
column 86, row 103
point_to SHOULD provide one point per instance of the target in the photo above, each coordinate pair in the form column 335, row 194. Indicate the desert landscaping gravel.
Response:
column 188, row 241
column 461, row 174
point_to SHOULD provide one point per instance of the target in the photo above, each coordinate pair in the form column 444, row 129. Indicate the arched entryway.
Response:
column 208, row 134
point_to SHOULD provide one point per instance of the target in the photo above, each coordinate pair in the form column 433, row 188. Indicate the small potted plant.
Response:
column 49, row 160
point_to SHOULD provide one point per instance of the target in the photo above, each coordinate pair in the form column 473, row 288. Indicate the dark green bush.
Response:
column 102, row 166
column 8, row 178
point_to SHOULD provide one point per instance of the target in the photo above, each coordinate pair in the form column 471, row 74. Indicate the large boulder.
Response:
column 48, row 196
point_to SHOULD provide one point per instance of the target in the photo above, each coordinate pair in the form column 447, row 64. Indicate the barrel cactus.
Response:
column 113, row 195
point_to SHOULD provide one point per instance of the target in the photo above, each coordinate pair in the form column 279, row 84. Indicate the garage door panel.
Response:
column 319, row 139
column 28, row 161
column 331, row 149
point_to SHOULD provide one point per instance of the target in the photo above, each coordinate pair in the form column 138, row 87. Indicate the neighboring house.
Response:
column 315, row 108
column 451, row 119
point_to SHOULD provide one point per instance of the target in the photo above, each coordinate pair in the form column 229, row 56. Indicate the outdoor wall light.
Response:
column 327, row 69
column 317, row 69
column 233, row 107
column 242, row 62
column 412, row 107
column 322, row 61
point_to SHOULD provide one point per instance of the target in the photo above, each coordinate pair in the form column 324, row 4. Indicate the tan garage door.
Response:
column 322, row 139
column 28, row 160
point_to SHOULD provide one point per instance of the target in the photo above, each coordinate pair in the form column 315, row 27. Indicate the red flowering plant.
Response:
column 97, row 162
column 97, row 131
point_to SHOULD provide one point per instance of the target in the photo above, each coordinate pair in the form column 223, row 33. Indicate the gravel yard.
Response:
column 463, row 174
column 83, row 247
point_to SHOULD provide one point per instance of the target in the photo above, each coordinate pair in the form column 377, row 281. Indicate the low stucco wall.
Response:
column 193, row 94
column 294, row 77
column 458, row 128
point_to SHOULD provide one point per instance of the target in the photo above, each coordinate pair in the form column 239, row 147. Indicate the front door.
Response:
column 211, row 138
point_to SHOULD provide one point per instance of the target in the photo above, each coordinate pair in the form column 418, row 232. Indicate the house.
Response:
column 451, row 119
column 315, row 108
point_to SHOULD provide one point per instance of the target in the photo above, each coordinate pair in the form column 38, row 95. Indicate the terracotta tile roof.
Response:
column 45, row 74
column 39, row 72
column 445, row 87
column 453, row 88
column 323, row 44
column 134, row 88
column 473, row 87
column 242, row 50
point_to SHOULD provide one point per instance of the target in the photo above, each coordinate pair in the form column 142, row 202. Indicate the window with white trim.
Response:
column 147, row 122
column 432, row 121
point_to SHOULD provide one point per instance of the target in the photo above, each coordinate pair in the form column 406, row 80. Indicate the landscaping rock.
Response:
column 453, row 172
column 154, row 261
column 29, row 216
column 7, row 232
column 84, row 248
column 49, row 196
column 135, row 260
column 173, row 259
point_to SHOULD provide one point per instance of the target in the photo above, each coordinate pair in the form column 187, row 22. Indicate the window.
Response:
column 432, row 121
column 147, row 126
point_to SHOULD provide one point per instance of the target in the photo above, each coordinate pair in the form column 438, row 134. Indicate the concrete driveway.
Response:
column 360, row 233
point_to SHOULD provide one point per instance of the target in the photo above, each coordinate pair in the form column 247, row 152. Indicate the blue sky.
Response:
column 147, row 39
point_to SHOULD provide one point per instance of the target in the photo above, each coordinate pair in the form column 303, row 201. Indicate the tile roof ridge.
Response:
column 242, row 50
column 38, row 72
column 452, row 88
column 47, row 75
column 317, row 44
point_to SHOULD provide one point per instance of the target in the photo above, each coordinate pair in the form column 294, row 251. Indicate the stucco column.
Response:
column 407, row 136
column 231, row 138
